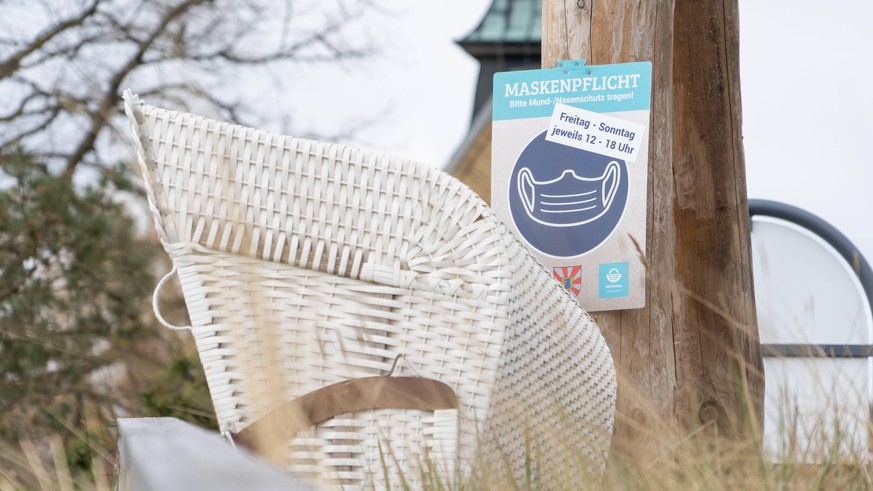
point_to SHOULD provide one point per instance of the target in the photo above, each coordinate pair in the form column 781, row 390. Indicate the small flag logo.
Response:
column 570, row 278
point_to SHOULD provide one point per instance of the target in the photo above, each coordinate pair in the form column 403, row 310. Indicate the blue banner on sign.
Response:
column 598, row 88
column 570, row 154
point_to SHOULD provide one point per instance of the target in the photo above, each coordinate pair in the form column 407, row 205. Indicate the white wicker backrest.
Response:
column 306, row 263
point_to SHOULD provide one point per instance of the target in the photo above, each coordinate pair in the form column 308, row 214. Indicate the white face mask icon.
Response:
column 568, row 200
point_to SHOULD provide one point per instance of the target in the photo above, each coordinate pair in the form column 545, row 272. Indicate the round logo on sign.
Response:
column 565, row 201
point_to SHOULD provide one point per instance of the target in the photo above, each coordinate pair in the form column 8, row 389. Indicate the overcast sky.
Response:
column 807, row 108
column 414, row 98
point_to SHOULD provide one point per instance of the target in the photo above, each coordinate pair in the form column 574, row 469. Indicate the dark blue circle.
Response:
column 548, row 161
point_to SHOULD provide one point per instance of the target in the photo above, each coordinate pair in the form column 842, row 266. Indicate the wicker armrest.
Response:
column 350, row 396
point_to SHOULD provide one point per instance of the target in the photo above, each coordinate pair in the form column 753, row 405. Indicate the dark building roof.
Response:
column 507, row 38
column 509, row 23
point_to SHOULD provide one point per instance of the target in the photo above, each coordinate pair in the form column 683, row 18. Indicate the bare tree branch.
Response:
column 112, row 95
column 63, row 85
column 11, row 64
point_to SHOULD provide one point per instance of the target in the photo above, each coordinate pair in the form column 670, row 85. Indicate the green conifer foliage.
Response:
column 79, row 345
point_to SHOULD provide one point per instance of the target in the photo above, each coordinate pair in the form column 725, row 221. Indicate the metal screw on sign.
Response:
column 580, row 4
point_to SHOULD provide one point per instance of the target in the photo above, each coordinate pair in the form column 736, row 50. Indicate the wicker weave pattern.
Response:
column 305, row 263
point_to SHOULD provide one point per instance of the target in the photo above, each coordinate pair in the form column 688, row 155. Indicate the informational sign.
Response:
column 569, row 174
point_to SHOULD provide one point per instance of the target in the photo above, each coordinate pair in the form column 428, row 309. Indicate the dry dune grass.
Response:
column 659, row 455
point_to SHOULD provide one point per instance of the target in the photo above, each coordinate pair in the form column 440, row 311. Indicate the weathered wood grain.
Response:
column 677, row 356
column 717, row 345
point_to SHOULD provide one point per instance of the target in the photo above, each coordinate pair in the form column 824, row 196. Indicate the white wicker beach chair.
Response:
column 309, row 268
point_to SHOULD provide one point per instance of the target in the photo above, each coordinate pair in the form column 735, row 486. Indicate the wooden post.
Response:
column 681, row 355
column 713, row 263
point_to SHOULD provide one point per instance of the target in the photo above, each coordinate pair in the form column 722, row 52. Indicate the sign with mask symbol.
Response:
column 568, row 200
column 569, row 174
